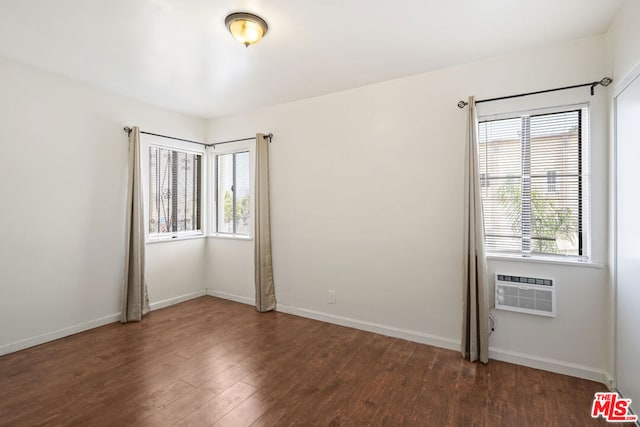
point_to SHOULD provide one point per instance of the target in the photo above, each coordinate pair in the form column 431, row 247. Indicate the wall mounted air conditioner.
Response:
column 526, row 295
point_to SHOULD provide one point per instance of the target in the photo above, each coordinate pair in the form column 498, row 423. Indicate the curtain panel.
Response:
column 265, row 291
column 135, row 299
column 475, row 313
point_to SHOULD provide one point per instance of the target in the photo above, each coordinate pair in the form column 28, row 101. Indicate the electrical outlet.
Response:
column 332, row 297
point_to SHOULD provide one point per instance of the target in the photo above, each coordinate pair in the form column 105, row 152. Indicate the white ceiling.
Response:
column 177, row 53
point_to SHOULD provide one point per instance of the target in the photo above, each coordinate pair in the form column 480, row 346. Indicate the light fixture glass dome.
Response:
column 247, row 28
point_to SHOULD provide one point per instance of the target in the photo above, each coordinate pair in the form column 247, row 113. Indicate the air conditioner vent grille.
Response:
column 525, row 295
column 522, row 279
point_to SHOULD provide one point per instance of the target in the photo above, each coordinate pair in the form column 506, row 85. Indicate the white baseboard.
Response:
column 610, row 382
column 81, row 327
column 231, row 297
column 176, row 300
column 546, row 364
column 551, row 365
column 349, row 322
column 54, row 335
column 377, row 328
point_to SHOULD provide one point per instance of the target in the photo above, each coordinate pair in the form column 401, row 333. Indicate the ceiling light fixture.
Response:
column 247, row 28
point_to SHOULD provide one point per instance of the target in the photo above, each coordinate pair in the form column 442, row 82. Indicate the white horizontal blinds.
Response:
column 500, row 159
column 531, row 177
column 556, row 192
column 174, row 191
column 233, row 193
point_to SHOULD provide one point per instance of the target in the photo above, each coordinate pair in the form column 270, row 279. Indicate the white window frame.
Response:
column 587, row 184
column 149, row 141
column 230, row 148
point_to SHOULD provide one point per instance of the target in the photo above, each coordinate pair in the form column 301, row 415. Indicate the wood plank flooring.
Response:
column 214, row 362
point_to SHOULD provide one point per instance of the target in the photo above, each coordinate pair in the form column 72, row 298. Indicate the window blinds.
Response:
column 532, row 183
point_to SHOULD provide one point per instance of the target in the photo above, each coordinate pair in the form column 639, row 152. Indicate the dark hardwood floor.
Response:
column 215, row 362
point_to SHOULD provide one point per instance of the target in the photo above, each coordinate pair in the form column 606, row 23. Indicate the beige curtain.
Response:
column 135, row 300
column 475, row 320
column 265, row 292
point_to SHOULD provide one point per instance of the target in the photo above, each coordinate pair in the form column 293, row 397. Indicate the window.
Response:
column 174, row 191
column 483, row 180
column 535, row 171
column 233, row 193
column 552, row 179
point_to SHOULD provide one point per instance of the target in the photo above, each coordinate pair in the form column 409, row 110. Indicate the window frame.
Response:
column 146, row 143
column 213, row 152
column 584, row 167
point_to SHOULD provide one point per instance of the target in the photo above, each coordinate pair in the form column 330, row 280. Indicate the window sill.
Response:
column 545, row 260
column 174, row 238
column 230, row 236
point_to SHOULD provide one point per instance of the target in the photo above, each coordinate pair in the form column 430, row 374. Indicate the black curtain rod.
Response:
column 128, row 130
column 269, row 136
column 606, row 81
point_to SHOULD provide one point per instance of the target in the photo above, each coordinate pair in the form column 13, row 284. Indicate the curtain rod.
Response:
column 128, row 130
column 606, row 81
column 213, row 144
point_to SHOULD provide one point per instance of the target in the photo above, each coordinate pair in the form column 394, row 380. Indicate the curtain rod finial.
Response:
column 128, row 130
column 462, row 104
column 606, row 81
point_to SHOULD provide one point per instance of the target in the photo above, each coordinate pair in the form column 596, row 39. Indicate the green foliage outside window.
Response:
column 549, row 223
column 242, row 208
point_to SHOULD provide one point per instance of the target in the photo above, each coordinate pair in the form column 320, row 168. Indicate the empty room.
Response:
column 356, row 213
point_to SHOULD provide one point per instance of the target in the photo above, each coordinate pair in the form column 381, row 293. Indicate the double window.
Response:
column 533, row 170
column 184, row 199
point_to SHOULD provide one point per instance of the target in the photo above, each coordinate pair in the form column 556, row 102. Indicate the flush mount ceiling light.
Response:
column 247, row 28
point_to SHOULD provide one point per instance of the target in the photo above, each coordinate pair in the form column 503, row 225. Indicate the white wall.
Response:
column 63, row 169
column 366, row 189
column 366, row 200
column 627, row 265
column 583, row 294
column 624, row 51
column 622, row 38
